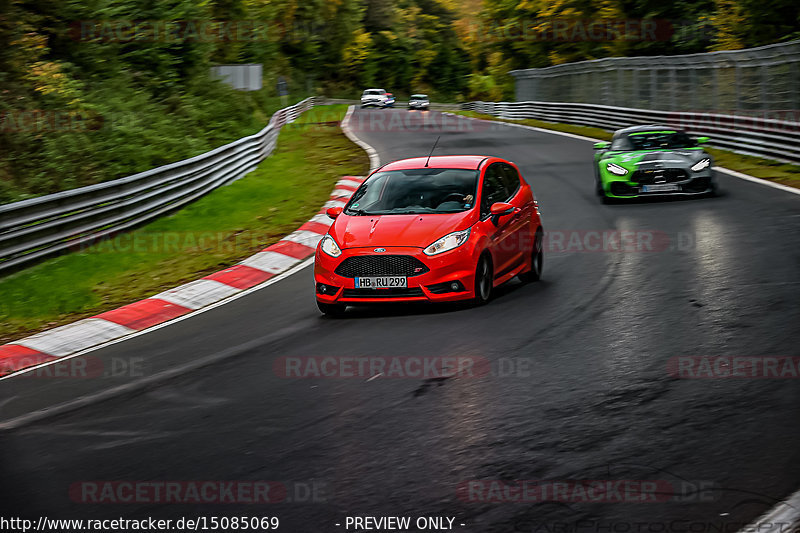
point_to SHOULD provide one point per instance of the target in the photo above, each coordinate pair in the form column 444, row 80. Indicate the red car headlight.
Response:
column 329, row 246
column 448, row 242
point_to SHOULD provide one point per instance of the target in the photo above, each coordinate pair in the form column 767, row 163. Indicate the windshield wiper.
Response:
column 420, row 211
column 359, row 212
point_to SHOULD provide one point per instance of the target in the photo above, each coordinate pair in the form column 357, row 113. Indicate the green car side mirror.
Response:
column 604, row 145
column 702, row 140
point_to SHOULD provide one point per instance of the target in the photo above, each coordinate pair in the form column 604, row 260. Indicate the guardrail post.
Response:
column 765, row 100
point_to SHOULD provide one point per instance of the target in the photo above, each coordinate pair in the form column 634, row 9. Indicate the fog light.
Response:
column 446, row 287
column 328, row 290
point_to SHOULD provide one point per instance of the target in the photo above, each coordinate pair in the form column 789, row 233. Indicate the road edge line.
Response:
column 374, row 159
column 776, row 520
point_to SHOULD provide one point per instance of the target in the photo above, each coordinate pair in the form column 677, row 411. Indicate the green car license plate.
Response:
column 661, row 187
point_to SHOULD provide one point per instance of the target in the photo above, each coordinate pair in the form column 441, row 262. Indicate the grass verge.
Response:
column 783, row 173
column 212, row 233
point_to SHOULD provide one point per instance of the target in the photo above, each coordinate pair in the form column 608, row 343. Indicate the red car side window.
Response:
column 494, row 189
column 511, row 180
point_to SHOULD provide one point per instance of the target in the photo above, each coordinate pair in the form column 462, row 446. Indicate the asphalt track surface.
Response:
column 593, row 399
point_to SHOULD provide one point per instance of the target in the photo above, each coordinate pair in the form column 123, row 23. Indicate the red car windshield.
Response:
column 416, row 191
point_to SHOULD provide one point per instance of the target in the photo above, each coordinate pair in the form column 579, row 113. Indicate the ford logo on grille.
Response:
column 379, row 250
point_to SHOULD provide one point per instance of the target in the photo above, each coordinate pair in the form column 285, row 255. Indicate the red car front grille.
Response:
column 381, row 265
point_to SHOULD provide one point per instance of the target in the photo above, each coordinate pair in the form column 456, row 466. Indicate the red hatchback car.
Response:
column 436, row 229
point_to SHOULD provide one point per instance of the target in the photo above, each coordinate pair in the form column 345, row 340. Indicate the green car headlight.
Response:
column 701, row 165
column 616, row 169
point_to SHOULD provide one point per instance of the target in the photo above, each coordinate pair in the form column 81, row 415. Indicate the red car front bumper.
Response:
column 443, row 270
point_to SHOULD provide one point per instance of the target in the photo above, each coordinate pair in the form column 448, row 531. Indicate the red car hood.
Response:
column 397, row 230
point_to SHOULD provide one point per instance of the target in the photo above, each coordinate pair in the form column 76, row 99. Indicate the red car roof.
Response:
column 438, row 161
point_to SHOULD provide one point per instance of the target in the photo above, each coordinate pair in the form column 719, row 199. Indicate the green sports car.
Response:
column 652, row 160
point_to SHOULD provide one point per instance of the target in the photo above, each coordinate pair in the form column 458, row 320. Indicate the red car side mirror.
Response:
column 501, row 208
column 333, row 212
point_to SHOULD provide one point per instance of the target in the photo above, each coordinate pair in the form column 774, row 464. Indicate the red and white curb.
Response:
column 255, row 270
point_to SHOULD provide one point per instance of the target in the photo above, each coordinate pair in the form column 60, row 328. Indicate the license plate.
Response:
column 661, row 187
column 382, row 282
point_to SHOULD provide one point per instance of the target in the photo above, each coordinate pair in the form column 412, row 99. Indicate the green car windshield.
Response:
column 654, row 140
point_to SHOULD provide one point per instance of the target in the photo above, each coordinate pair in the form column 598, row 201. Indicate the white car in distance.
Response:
column 376, row 98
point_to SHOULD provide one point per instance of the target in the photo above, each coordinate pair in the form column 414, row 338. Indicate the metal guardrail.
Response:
column 33, row 229
column 759, row 81
column 772, row 139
